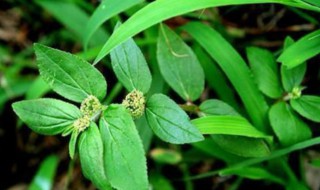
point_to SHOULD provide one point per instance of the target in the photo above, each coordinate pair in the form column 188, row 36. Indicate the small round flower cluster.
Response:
column 90, row 106
column 295, row 93
column 82, row 123
column 90, row 109
column 135, row 103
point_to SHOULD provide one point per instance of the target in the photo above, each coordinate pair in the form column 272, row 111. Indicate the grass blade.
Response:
column 105, row 11
column 235, row 68
column 302, row 50
column 158, row 11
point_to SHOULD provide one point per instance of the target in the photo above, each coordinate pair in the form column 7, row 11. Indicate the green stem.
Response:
column 69, row 173
column 190, row 108
column 275, row 154
column 114, row 93
column 186, row 175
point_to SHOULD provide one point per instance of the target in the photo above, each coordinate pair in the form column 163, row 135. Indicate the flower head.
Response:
column 135, row 103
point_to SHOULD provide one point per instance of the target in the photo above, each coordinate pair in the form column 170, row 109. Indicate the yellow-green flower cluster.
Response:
column 82, row 123
column 135, row 103
column 295, row 93
column 90, row 108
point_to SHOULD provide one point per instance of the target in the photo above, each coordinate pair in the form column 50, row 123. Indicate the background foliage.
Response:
column 250, row 83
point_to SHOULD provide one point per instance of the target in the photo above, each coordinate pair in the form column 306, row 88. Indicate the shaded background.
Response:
column 24, row 22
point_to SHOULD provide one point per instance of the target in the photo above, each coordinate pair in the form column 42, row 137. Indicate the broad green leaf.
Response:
column 215, row 77
column 69, row 75
column 292, row 77
column 144, row 131
column 166, row 156
column 178, row 63
column 308, row 107
column 216, row 107
column 159, row 182
column 37, row 89
column 158, row 11
column 242, row 146
column 227, row 125
column 73, row 18
column 46, row 116
column 301, row 51
column 236, row 70
column 124, row 158
column 103, row 12
column 91, row 153
column 73, row 143
column 131, row 67
column 169, row 122
column 265, row 71
column 44, row 178
column 255, row 173
column 288, row 127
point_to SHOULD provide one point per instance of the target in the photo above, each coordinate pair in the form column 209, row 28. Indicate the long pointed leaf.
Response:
column 105, row 11
column 302, row 50
column 236, row 70
column 158, row 11
column 227, row 125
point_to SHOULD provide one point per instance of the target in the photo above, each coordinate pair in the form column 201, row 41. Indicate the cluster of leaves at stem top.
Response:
column 103, row 134
column 285, row 86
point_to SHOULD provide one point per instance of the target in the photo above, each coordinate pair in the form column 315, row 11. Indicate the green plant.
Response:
column 105, row 135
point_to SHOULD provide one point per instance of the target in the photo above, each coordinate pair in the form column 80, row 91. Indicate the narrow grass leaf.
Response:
column 44, row 178
column 158, row 11
column 265, row 71
column 292, row 77
column 131, row 67
column 123, row 150
column 70, row 76
column 302, row 50
column 103, row 12
column 236, row 70
column 242, row 146
column 73, row 18
column 169, row 122
column 255, row 173
column 227, row 125
column 178, row 63
column 307, row 106
column 252, row 161
column 215, row 77
column 288, row 127
column 46, row 116
column 92, row 157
